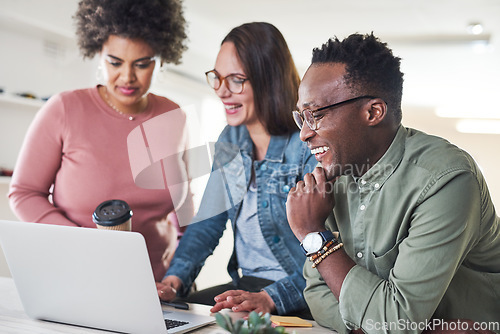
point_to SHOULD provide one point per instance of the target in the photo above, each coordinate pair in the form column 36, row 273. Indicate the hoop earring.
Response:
column 162, row 73
column 98, row 74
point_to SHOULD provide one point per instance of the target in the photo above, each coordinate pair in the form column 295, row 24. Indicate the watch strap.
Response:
column 327, row 236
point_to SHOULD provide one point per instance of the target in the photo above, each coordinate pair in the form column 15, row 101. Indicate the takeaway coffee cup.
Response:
column 113, row 215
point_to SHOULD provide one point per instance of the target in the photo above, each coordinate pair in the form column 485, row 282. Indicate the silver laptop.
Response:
column 88, row 277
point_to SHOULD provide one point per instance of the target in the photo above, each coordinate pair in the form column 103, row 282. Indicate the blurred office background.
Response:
column 450, row 52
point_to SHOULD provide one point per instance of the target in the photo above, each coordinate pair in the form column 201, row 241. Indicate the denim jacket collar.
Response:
column 275, row 151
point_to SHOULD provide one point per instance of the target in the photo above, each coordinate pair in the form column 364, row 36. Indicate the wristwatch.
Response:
column 314, row 241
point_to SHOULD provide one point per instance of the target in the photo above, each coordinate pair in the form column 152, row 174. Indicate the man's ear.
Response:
column 376, row 111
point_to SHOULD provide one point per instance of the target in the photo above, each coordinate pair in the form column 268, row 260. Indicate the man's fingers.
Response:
column 309, row 180
column 316, row 181
column 323, row 185
column 300, row 185
column 319, row 175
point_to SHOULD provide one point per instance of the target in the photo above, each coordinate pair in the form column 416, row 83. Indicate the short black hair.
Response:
column 160, row 23
column 371, row 67
column 270, row 68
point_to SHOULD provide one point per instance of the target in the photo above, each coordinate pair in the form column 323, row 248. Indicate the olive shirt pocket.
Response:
column 385, row 262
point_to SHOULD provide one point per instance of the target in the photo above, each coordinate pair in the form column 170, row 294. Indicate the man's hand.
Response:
column 244, row 301
column 309, row 203
column 167, row 289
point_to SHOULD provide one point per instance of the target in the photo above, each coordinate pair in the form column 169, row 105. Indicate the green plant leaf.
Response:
column 256, row 323
column 253, row 319
column 266, row 319
column 237, row 326
column 224, row 321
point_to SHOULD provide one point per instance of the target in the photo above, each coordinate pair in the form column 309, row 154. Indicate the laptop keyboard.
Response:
column 174, row 323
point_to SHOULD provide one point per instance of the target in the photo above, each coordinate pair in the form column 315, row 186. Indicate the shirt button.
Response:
column 265, row 204
column 362, row 207
column 276, row 239
column 359, row 255
column 263, row 167
column 286, row 188
column 377, row 185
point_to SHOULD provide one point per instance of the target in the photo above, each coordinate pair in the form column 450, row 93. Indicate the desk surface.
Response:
column 13, row 319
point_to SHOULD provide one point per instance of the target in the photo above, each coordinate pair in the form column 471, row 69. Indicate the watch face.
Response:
column 312, row 243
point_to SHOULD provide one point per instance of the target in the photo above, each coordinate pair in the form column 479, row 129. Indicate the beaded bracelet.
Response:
column 328, row 252
column 321, row 251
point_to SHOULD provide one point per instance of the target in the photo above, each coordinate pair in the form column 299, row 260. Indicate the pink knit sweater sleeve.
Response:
column 37, row 165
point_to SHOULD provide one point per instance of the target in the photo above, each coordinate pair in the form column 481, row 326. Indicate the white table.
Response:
column 13, row 320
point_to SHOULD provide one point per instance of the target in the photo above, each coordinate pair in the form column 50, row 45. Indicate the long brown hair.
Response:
column 270, row 68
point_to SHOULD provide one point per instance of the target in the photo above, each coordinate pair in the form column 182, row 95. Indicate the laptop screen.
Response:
column 87, row 277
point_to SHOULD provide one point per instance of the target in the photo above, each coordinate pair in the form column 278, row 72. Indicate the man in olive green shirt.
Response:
column 419, row 237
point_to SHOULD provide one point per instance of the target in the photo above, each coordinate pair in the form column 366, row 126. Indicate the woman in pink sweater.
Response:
column 78, row 152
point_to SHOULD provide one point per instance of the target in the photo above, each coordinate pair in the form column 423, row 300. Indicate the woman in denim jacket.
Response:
column 258, row 159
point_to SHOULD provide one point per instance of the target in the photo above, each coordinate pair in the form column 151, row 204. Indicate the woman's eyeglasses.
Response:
column 234, row 82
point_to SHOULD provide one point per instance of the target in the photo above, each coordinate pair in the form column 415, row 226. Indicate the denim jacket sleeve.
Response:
column 203, row 234
column 197, row 243
column 288, row 293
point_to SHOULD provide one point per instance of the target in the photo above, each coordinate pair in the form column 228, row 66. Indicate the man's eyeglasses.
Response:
column 307, row 115
column 234, row 82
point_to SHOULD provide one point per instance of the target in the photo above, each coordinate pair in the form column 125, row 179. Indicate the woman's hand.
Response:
column 244, row 301
column 167, row 289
